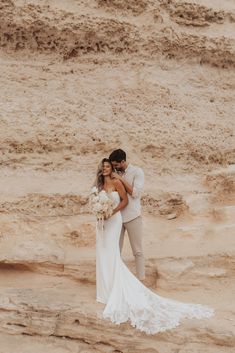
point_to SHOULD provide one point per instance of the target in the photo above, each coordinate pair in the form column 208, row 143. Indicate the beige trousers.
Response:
column 134, row 231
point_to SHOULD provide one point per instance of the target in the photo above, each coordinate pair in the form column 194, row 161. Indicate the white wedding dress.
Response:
column 126, row 298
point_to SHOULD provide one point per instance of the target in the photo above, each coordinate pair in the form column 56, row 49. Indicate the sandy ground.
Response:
column 79, row 79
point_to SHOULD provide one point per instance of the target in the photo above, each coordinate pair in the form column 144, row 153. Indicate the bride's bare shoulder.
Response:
column 117, row 183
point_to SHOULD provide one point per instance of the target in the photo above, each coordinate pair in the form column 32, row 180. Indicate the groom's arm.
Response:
column 138, row 184
column 128, row 187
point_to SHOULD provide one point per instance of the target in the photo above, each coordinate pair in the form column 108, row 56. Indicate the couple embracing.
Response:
column 125, row 296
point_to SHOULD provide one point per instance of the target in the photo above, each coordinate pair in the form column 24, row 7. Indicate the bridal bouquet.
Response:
column 101, row 204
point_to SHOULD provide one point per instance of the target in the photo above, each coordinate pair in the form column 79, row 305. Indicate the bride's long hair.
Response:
column 99, row 181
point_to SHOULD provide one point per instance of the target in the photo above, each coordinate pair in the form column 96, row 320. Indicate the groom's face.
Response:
column 118, row 166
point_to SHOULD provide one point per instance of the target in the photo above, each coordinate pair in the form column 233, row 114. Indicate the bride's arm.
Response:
column 123, row 196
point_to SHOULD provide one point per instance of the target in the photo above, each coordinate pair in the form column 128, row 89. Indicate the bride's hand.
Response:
column 107, row 217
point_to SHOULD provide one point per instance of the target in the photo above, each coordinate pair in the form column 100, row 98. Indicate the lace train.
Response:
column 147, row 311
column 126, row 298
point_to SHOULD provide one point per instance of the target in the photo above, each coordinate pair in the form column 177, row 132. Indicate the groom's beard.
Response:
column 119, row 171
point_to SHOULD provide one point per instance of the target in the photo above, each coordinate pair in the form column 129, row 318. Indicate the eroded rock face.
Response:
column 132, row 6
column 50, row 305
column 47, row 276
column 166, row 204
column 222, row 183
column 78, row 80
column 42, row 28
column 188, row 14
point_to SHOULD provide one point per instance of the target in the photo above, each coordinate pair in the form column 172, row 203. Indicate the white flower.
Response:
column 103, row 197
column 94, row 190
column 95, row 199
column 97, row 207
column 101, row 203
column 105, row 207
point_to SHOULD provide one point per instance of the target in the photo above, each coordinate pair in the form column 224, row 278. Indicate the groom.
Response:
column 132, row 178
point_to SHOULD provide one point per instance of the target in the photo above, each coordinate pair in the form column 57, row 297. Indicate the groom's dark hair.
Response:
column 117, row 156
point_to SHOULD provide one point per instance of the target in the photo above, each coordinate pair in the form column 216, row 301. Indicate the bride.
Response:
column 124, row 296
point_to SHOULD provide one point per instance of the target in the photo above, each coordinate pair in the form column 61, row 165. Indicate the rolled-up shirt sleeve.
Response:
column 138, row 183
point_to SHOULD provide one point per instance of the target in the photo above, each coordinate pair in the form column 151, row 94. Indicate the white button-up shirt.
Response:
column 134, row 176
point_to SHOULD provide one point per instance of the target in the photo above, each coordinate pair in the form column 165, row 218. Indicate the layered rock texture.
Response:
column 79, row 79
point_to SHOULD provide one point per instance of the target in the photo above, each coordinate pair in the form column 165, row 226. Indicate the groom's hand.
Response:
column 116, row 176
